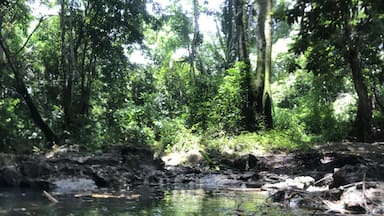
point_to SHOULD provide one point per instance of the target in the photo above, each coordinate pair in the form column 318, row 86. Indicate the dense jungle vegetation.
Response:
column 175, row 75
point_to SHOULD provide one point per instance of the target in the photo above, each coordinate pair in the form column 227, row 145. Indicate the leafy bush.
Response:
column 174, row 136
column 225, row 106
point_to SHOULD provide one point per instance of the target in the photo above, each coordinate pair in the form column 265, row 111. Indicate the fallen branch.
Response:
column 355, row 184
column 50, row 197
column 322, row 179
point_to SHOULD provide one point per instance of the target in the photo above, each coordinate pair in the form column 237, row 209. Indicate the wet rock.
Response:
column 216, row 180
column 299, row 182
column 10, row 176
column 308, row 160
column 248, row 177
column 35, row 168
column 354, row 200
column 347, row 175
column 103, row 159
column 256, row 184
column 334, row 160
column 245, row 162
column 117, row 168
column 109, row 176
column 278, row 196
column 140, row 158
column 73, row 184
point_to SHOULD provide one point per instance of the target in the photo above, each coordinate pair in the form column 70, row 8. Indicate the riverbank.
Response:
column 339, row 178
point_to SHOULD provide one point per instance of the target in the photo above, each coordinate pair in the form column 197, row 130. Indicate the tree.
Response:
column 262, row 81
column 237, row 26
column 14, row 63
column 241, row 22
column 94, row 36
column 339, row 38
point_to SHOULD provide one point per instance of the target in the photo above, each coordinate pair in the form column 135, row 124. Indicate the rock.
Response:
column 10, row 176
column 278, row 196
column 354, row 200
column 347, row 175
column 249, row 177
column 300, row 182
column 73, row 184
column 308, row 160
column 140, row 158
column 109, row 176
column 245, row 162
column 103, row 159
column 35, row 168
column 216, row 180
column 334, row 160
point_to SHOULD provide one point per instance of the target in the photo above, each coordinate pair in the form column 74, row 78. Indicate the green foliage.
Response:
column 170, row 103
column 8, row 121
column 312, row 106
column 131, row 129
column 225, row 114
column 174, row 136
column 282, row 140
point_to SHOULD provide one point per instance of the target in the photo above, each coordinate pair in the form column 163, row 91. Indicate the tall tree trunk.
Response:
column 72, row 58
column 230, row 32
column 247, row 110
column 267, row 93
column 361, row 130
column 86, row 85
column 65, row 68
column 362, row 126
column 2, row 60
column 193, row 58
column 22, row 90
column 262, row 84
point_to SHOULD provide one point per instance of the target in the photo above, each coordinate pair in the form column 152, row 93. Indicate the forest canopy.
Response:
column 278, row 73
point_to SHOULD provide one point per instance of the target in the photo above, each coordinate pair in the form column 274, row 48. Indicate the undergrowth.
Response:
column 264, row 141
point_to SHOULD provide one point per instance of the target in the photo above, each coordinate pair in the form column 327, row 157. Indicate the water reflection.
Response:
column 152, row 201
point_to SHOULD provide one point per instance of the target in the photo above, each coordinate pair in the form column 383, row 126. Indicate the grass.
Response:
column 264, row 141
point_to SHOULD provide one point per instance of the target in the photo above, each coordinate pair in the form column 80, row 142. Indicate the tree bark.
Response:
column 1, row 49
column 263, row 95
column 267, row 93
column 362, row 126
column 65, row 69
column 247, row 110
column 361, row 130
column 229, row 28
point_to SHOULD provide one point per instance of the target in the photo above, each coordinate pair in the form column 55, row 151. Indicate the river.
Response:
column 143, row 201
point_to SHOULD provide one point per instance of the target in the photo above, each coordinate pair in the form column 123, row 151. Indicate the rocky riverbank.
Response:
column 324, row 181
column 71, row 171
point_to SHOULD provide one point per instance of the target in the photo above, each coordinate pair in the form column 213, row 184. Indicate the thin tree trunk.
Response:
column 86, row 88
column 231, row 52
column 64, row 67
column 2, row 60
column 72, row 59
column 243, row 51
column 196, row 37
column 22, row 90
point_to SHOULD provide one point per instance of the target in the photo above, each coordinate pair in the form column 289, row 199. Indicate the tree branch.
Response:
column 30, row 35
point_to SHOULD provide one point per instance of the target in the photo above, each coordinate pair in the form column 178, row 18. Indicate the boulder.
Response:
column 10, row 176
column 245, row 162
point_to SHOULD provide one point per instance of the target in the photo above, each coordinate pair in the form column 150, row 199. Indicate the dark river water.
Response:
column 143, row 201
